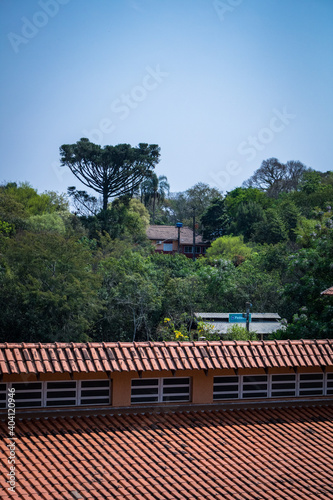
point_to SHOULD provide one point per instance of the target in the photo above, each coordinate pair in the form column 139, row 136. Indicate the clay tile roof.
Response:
column 157, row 356
column 170, row 233
column 329, row 291
column 267, row 453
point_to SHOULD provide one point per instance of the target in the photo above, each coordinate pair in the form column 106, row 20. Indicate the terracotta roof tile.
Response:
column 4, row 366
column 220, row 356
column 213, row 357
column 285, row 360
column 61, row 356
column 95, row 357
column 17, row 356
column 130, row 362
column 174, row 357
column 27, row 356
column 313, row 354
column 149, row 356
column 53, row 351
column 37, row 360
column 327, row 347
column 291, row 354
column 273, row 355
column 299, row 355
column 184, row 363
column 245, row 359
column 44, row 358
column 159, row 356
column 167, row 358
column 71, row 360
column 197, row 354
column 188, row 358
column 233, row 355
column 248, row 353
column 136, row 359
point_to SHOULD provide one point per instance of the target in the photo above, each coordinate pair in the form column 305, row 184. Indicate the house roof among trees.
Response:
column 263, row 453
column 170, row 233
column 329, row 291
column 158, row 356
column 225, row 316
column 263, row 323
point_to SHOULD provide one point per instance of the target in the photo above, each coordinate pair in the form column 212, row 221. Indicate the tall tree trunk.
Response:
column 134, row 325
column 154, row 200
column 105, row 200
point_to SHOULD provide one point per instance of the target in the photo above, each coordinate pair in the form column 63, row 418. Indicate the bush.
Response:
column 237, row 332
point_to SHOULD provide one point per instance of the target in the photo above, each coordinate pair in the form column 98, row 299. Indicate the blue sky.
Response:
column 219, row 85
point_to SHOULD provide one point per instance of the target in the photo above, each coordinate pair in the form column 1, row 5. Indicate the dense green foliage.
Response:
column 71, row 277
column 231, row 248
column 215, row 220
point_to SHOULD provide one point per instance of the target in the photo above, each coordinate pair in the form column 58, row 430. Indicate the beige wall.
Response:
column 160, row 247
column 121, row 388
column 201, row 386
column 202, row 382
column 174, row 245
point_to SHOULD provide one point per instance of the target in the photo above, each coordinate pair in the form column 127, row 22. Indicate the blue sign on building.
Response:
column 238, row 318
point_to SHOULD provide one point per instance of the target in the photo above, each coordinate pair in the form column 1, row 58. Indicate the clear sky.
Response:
column 218, row 85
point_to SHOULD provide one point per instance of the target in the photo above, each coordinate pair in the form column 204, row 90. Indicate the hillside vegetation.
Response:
column 93, row 275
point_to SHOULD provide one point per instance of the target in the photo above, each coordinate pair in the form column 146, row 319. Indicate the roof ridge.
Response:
column 166, row 342
column 91, row 357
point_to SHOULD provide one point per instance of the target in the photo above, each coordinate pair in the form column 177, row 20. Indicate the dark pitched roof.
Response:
column 168, row 233
column 152, row 356
column 253, row 454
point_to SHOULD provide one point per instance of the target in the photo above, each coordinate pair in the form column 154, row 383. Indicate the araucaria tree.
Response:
column 110, row 170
